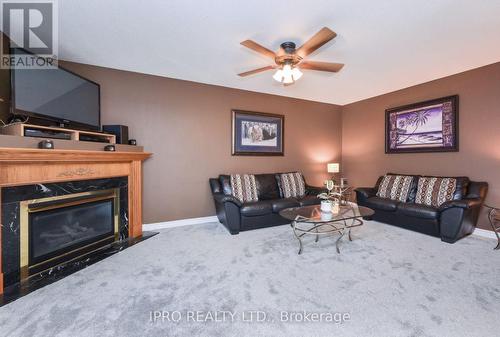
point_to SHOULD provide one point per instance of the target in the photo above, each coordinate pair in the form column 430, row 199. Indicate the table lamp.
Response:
column 333, row 168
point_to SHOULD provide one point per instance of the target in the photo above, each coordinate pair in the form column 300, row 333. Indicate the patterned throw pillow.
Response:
column 292, row 185
column 243, row 187
column 395, row 187
column 432, row 191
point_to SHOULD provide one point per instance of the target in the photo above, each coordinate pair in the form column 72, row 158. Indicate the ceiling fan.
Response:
column 290, row 60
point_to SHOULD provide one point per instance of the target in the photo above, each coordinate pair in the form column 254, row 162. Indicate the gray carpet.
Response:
column 391, row 282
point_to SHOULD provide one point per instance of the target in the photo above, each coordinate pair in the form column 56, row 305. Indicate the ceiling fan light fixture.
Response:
column 288, row 80
column 287, row 74
column 278, row 75
column 296, row 73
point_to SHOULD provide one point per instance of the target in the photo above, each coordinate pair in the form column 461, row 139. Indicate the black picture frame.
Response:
column 437, row 120
column 257, row 133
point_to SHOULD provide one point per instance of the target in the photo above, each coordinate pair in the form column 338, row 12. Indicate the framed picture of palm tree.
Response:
column 430, row 126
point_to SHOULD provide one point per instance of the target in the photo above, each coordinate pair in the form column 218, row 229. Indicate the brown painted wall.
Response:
column 188, row 128
column 363, row 154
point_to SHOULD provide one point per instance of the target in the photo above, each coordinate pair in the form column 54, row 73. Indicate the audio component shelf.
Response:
column 48, row 132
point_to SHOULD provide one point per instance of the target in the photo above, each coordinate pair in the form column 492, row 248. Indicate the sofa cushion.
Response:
column 292, row 185
column 281, row 204
column 309, row 200
column 434, row 191
column 418, row 210
column 383, row 204
column 267, row 188
column 395, row 187
column 256, row 208
column 462, row 186
column 244, row 187
column 413, row 187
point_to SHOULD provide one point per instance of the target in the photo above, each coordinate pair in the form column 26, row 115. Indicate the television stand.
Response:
column 49, row 132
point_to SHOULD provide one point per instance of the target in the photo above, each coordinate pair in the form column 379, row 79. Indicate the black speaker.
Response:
column 120, row 131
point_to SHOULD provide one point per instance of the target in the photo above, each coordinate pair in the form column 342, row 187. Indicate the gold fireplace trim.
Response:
column 73, row 199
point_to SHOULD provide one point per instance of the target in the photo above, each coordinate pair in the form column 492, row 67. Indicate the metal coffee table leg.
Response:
column 297, row 236
column 349, row 233
column 342, row 232
column 360, row 222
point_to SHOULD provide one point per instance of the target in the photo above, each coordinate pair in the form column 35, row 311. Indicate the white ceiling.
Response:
column 386, row 44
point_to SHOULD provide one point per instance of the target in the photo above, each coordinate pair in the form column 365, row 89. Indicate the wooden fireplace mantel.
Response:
column 37, row 155
column 22, row 166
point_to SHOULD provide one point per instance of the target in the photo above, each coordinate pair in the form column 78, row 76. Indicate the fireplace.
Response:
column 49, row 228
column 28, row 173
column 57, row 229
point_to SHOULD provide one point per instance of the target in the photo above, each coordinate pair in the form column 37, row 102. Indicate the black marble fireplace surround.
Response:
column 12, row 196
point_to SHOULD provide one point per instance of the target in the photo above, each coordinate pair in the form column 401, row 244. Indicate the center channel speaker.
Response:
column 120, row 131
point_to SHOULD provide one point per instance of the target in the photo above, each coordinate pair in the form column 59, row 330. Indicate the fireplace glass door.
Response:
column 54, row 231
column 56, row 228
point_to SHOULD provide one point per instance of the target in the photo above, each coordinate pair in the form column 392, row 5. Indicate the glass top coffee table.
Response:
column 311, row 220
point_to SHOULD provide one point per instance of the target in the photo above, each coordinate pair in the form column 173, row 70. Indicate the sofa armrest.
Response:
column 222, row 198
column 365, row 192
column 459, row 218
column 463, row 203
column 314, row 190
column 228, row 211
column 477, row 189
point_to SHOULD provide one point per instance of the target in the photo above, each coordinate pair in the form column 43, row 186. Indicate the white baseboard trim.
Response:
column 178, row 223
column 196, row 221
column 484, row 233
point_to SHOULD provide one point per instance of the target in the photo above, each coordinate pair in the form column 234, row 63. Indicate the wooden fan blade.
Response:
column 255, row 71
column 258, row 48
column 321, row 66
column 319, row 39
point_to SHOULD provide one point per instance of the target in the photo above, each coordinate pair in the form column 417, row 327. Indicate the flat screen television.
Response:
column 56, row 95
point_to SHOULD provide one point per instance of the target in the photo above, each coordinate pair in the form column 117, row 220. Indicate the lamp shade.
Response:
column 333, row 167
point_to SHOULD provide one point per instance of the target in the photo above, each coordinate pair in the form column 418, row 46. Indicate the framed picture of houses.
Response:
column 257, row 133
column 430, row 126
